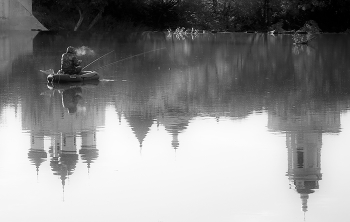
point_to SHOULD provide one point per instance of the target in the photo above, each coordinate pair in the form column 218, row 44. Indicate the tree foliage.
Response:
column 221, row 15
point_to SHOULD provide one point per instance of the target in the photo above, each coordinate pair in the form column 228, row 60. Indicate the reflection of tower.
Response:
column 304, row 160
column 175, row 121
column 69, row 156
column 304, row 122
column 37, row 154
column 64, row 156
column 88, row 151
column 54, row 152
column 175, row 142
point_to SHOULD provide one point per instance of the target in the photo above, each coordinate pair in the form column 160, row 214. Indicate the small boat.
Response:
column 84, row 76
column 69, row 85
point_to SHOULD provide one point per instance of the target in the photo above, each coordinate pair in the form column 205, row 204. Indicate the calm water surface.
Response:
column 214, row 127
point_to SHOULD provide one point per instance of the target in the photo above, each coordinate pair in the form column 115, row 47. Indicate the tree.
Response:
column 91, row 9
column 163, row 13
column 238, row 15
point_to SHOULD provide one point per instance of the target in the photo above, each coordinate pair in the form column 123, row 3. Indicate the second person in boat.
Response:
column 70, row 63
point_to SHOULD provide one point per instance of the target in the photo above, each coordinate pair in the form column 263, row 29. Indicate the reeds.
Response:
column 182, row 33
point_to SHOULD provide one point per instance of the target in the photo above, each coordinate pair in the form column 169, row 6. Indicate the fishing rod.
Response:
column 130, row 57
column 97, row 59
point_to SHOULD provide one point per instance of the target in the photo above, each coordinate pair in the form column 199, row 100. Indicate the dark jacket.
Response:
column 69, row 62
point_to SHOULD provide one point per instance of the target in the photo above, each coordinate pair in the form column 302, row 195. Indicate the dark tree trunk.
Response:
column 98, row 16
column 266, row 12
column 81, row 18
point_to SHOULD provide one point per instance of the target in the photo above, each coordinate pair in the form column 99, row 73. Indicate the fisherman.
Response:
column 69, row 62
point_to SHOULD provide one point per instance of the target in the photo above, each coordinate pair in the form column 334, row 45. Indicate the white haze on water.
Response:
column 84, row 50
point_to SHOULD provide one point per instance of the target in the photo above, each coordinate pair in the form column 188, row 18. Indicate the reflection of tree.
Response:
column 230, row 74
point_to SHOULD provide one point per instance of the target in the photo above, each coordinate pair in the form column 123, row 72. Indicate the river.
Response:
column 209, row 127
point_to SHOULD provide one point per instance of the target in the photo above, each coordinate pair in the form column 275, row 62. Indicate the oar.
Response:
column 130, row 57
column 98, row 59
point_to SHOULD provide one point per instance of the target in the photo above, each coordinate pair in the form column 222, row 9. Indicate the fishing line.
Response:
column 130, row 57
column 97, row 59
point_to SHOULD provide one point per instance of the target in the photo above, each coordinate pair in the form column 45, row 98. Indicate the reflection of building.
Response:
column 64, row 156
column 63, row 152
column 37, row 154
column 88, row 151
column 17, row 15
column 304, row 127
column 48, row 117
column 304, row 160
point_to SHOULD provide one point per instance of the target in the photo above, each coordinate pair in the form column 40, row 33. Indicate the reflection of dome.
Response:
column 63, row 156
column 88, row 156
column 175, row 121
column 37, row 157
column 69, row 160
column 64, row 165
column 88, row 151
column 37, row 154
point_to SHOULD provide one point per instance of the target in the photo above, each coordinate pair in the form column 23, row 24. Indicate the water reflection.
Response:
column 302, row 90
column 304, row 164
column 37, row 154
column 70, row 99
column 304, row 117
column 64, row 156
column 70, row 114
column 304, row 142
column 175, row 121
